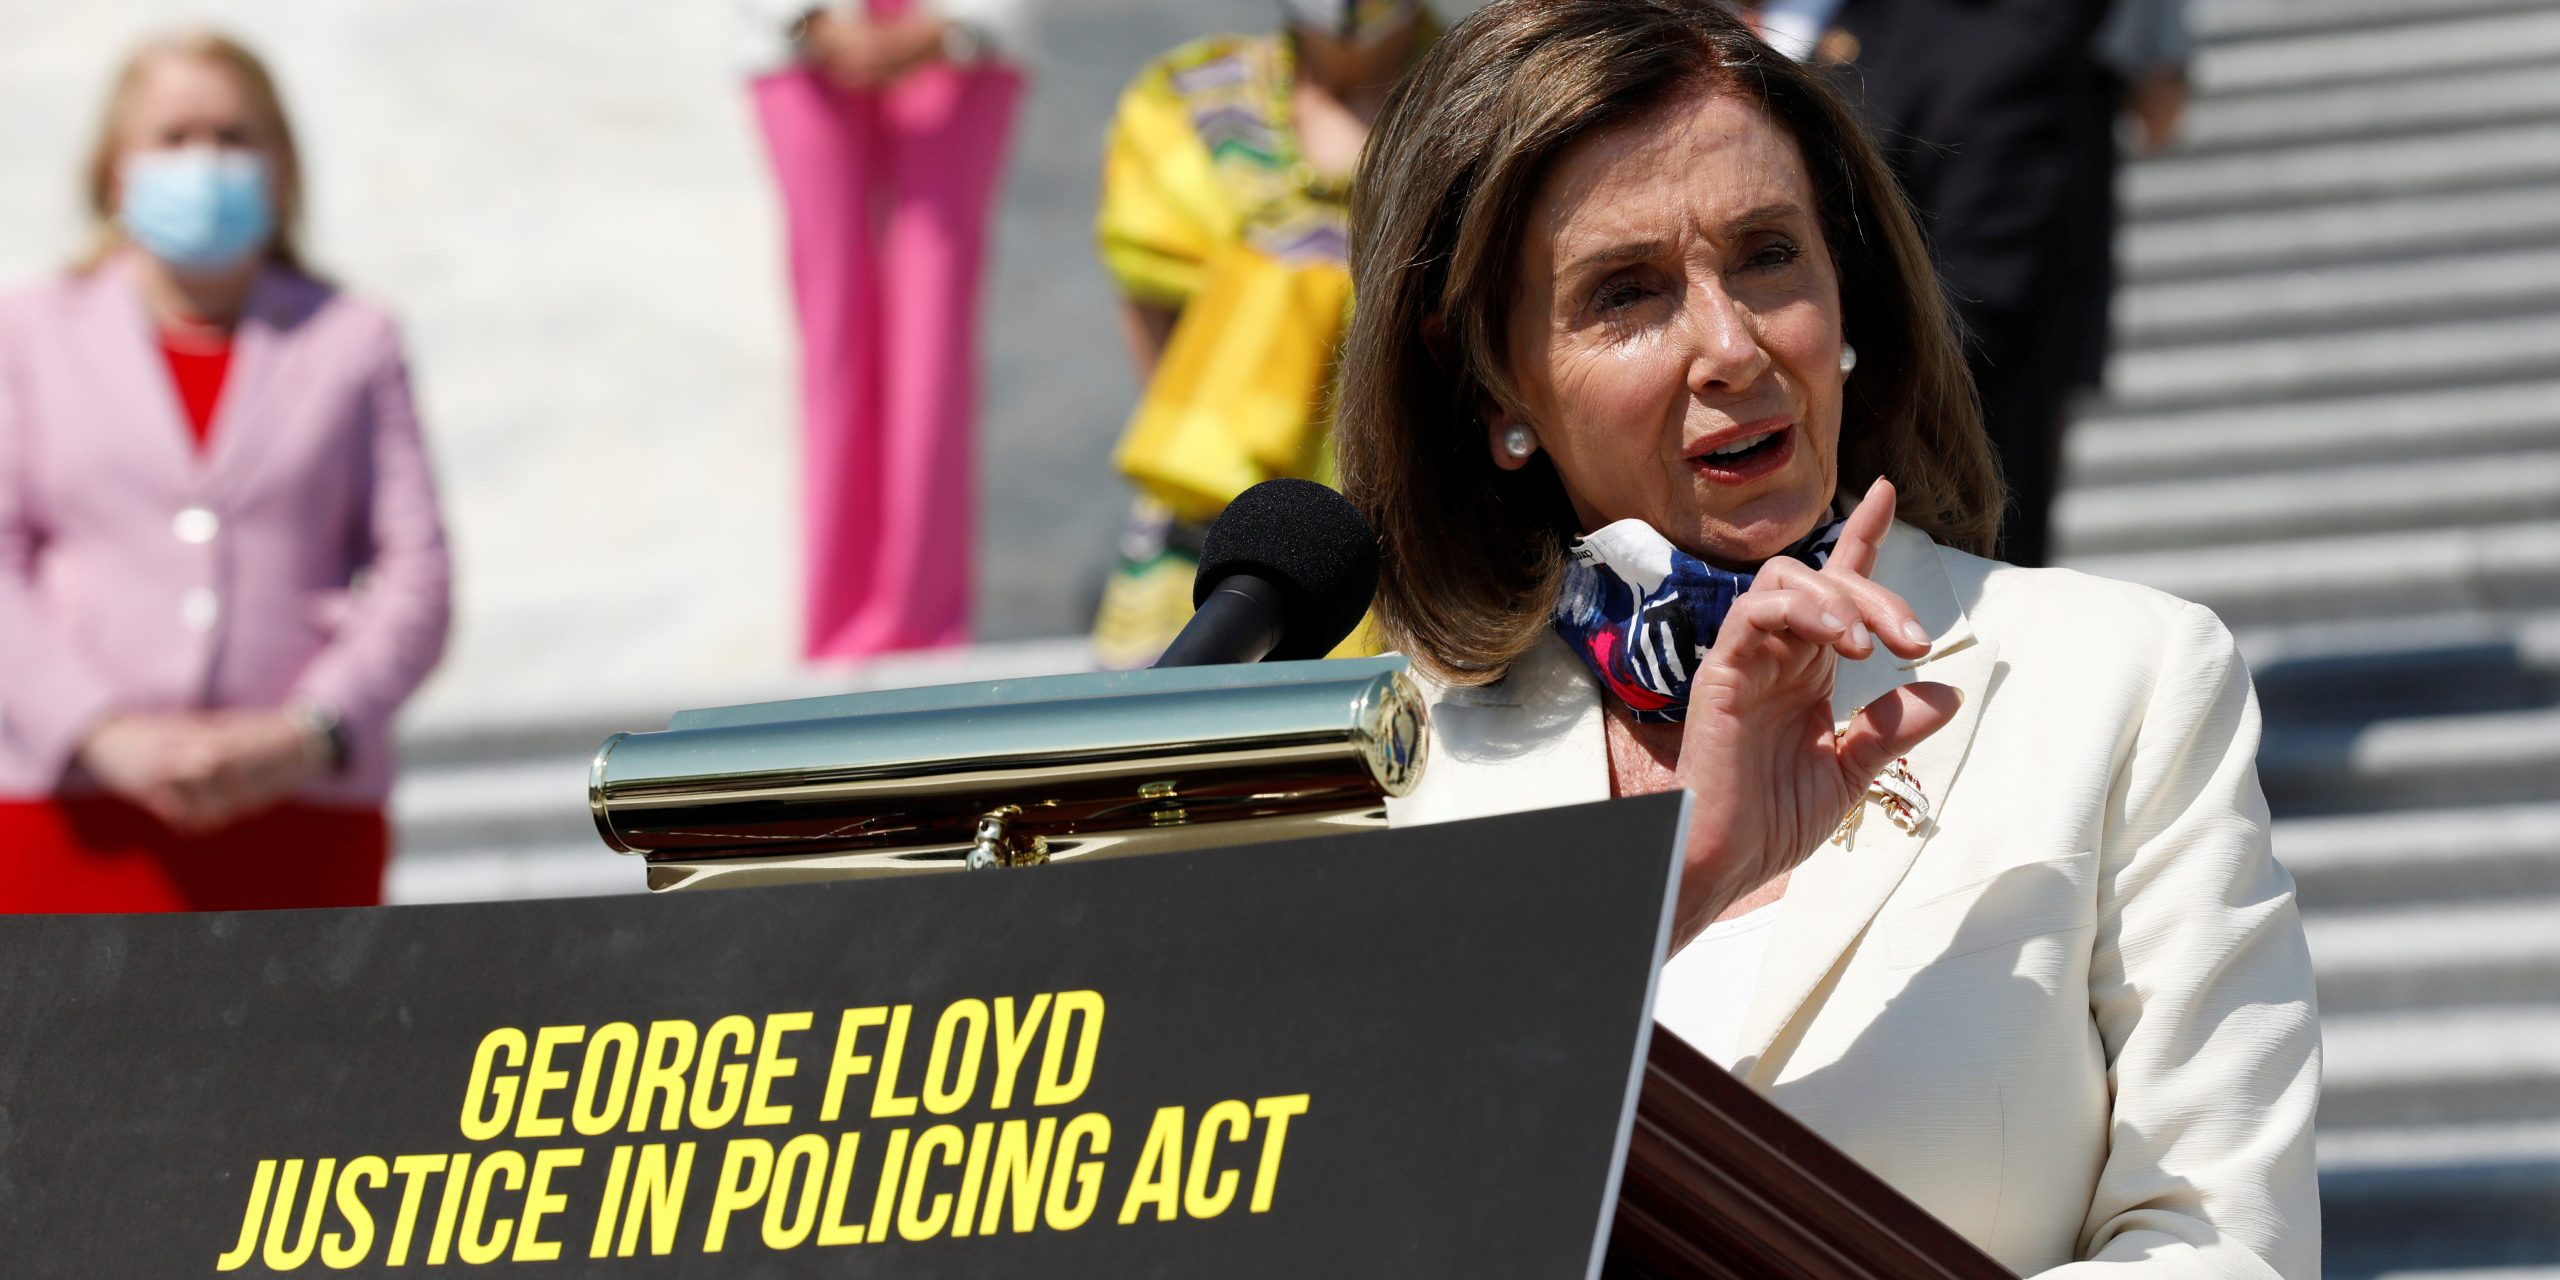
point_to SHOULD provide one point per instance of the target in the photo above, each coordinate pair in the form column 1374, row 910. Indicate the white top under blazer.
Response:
column 1706, row 986
column 2093, row 903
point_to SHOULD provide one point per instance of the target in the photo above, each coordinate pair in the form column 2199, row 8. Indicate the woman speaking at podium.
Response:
column 1679, row 481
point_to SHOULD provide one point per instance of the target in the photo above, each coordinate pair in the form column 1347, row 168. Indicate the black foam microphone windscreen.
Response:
column 1309, row 542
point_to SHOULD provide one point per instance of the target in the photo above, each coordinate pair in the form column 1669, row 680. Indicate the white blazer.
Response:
column 2093, row 905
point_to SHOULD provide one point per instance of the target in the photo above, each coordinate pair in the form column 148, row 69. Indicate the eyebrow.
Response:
column 1640, row 250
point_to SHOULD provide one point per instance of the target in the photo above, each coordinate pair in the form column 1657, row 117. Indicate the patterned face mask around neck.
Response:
column 1357, row 22
column 1640, row 612
column 198, row 209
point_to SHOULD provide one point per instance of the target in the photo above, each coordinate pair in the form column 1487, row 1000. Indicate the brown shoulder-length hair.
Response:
column 266, row 107
column 1472, row 554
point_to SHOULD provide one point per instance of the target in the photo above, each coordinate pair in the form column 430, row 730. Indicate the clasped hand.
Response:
column 863, row 53
column 1758, row 747
column 199, row 771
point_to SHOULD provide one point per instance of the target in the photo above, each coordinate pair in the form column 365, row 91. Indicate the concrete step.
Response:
column 2440, row 354
column 2474, row 758
column 2423, row 856
column 520, row 871
column 2116, row 445
column 2307, row 503
column 2423, row 1200
column 2225, row 20
column 2365, row 168
column 2486, row 955
column 2442, row 1066
column 2215, row 245
column 491, row 808
column 2340, row 296
column 575, row 721
column 2356, row 673
column 2497, row 567
column 2368, row 1271
column 2439, row 1139
column 2320, row 112
column 2199, row 511
column 510, row 827
column 2441, row 43
column 495, row 804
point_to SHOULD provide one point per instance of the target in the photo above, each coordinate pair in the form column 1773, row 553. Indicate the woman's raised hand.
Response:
column 1772, row 779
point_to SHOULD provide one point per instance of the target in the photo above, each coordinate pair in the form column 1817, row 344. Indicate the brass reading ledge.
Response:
column 1011, row 772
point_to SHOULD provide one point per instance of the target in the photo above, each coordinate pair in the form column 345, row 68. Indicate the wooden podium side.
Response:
column 1721, row 1183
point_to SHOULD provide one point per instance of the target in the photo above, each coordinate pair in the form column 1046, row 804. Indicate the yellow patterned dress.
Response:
column 1209, row 209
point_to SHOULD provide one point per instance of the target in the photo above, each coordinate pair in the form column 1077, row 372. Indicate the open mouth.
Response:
column 1748, row 456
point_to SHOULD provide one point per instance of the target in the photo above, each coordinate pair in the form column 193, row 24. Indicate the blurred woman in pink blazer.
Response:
column 221, row 565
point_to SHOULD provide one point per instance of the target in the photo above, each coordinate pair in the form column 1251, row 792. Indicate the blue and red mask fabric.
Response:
column 1640, row 612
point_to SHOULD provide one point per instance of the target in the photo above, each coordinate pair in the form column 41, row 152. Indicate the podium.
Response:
column 1402, row 1053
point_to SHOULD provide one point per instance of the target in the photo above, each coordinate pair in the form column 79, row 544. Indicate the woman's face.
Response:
column 1676, row 339
column 184, row 101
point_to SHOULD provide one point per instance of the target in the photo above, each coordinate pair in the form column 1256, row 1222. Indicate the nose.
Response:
column 1725, row 354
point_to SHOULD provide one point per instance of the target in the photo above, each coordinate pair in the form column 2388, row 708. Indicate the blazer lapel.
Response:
column 242, row 426
column 1831, row 897
column 125, row 347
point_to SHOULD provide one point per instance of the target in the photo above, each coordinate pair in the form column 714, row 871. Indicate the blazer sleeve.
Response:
column 2201, row 991
column 51, row 697
column 395, row 630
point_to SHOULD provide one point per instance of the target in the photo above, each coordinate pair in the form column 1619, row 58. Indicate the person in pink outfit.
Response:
column 887, row 122
column 221, row 565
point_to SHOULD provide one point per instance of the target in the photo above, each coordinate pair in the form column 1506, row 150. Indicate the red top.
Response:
column 198, row 370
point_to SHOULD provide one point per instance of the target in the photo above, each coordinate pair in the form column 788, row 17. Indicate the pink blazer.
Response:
column 298, row 559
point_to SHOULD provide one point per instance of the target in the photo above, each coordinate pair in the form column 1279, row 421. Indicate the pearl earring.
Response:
column 1848, row 359
column 1518, row 440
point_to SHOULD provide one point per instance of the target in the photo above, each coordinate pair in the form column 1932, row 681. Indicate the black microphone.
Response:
column 1286, row 573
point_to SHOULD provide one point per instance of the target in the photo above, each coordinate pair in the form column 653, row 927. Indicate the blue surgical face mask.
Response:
column 198, row 209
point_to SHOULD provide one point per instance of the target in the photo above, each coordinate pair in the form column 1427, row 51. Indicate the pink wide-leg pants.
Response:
column 888, row 197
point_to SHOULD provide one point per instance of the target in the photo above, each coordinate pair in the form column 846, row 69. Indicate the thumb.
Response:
column 1892, row 725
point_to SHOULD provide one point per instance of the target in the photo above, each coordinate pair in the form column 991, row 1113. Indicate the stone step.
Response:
column 2120, row 446
column 2478, row 1184
column 2356, row 673
column 2215, row 245
column 491, row 875
column 2497, row 567
column 2440, row 44
column 2321, row 112
column 574, row 722
column 2424, row 856
column 2471, row 758
column 2448, row 1066
column 2197, row 511
column 2224, row 20
column 2486, row 955
column 2364, row 168
column 495, row 804
column 496, row 807
column 2418, row 1200
column 2362, row 1270
column 2340, row 295
column 2441, row 354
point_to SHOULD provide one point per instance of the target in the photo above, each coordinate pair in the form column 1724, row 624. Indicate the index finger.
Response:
column 1864, row 531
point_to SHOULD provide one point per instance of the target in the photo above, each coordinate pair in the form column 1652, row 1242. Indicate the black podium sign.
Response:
column 1405, row 1053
